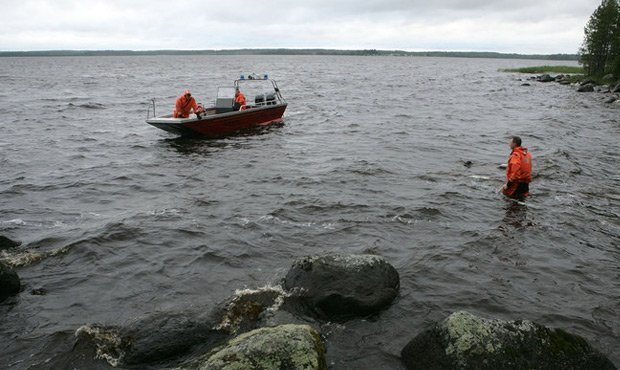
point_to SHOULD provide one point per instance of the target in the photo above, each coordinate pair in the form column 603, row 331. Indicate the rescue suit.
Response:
column 184, row 105
column 518, row 173
column 239, row 100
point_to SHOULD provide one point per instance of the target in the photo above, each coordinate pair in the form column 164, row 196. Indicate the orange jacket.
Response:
column 240, row 99
column 184, row 106
column 519, row 166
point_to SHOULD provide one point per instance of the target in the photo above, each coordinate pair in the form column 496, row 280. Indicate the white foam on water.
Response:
column 229, row 322
column 107, row 341
column 28, row 257
column 16, row 221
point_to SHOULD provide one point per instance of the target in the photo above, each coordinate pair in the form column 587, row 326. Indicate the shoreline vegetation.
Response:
column 283, row 51
column 547, row 69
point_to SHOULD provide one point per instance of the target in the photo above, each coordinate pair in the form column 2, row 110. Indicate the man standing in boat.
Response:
column 239, row 99
column 519, row 171
column 184, row 105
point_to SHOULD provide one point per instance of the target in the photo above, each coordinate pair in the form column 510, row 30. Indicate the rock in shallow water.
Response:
column 152, row 339
column 546, row 78
column 9, row 282
column 6, row 243
column 586, row 88
column 465, row 341
column 339, row 287
column 293, row 347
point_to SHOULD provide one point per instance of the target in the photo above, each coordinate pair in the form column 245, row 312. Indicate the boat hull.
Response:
column 222, row 124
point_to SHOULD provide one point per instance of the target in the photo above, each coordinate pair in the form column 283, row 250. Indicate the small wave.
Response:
column 28, row 257
column 278, row 220
column 108, row 342
column 480, row 177
column 72, row 106
column 15, row 221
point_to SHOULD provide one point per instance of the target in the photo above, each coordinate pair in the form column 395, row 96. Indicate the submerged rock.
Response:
column 339, row 287
column 9, row 282
column 611, row 99
column 465, row 341
column 586, row 88
column 282, row 347
column 6, row 243
column 162, row 336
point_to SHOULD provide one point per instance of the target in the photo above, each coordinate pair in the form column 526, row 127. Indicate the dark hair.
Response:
column 516, row 140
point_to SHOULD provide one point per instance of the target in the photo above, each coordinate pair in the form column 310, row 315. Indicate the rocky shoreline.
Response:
column 609, row 88
column 284, row 327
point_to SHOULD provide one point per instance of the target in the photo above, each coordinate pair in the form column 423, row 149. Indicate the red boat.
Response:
column 225, row 118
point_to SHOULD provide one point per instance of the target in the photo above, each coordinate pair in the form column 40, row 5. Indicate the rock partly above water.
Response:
column 6, row 243
column 245, row 309
column 586, row 88
column 152, row 339
column 294, row 347
column 9, row 282
column 340, row 287
column 465, row 341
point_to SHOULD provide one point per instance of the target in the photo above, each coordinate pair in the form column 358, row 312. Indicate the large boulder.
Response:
column 291, row 347
column 465, row 341
column 586, row 88
column 9, row 282
column 6, row 243
column 339, row 287
column 152, row 339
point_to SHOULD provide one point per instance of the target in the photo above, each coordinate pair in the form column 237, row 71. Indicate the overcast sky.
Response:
column 522, row 26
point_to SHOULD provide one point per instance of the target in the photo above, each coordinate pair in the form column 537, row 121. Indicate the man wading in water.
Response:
column 519, row 171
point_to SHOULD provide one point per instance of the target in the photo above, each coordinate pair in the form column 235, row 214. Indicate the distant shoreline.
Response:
column 367, row 52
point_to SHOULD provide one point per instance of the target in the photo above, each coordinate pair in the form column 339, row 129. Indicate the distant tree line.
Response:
column 600, row 52
column 366, row 52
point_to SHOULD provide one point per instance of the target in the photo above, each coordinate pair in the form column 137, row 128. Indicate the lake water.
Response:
column 123, row 220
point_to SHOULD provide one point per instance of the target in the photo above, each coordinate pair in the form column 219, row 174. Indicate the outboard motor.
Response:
column 265, row 99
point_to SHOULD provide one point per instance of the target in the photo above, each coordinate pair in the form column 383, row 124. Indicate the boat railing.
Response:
column 150, row 109
column 280, row 99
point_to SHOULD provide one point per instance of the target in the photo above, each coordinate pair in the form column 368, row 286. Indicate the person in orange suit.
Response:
column 239, row 99
column 184, row 105
column 519, row 171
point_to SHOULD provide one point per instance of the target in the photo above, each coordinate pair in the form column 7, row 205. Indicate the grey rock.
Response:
column 611, row 99
column 564, row 82
column 609, row 77
column 339, row 287
column 586, row 88
column 246, row 309
column 546, row 78
column 587, row 82
column 6, row 243
column 9, row 282
column 152, row 339
column 291, row 347
column 616, row 89
column 465, row 341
